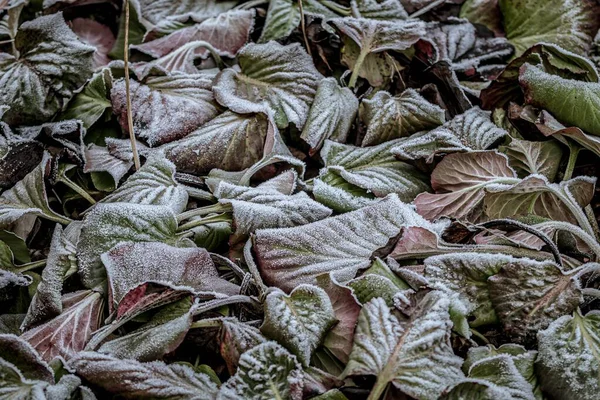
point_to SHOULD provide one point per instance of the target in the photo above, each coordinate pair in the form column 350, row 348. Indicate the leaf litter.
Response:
column 337, row 200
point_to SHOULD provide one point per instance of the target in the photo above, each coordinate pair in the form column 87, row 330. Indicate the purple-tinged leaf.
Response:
column 235, row 339
column 97, row 35
column 68, row 333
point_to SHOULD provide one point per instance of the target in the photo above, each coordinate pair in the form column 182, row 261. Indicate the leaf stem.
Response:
column 212, row 304
column 78, row 189
column 201, row 211
column 378, row 389
column 479, row 336
column 29, row 266
column 250, row 4
column 573, row 154
column 225, row 217
column 359, row 61
column 303, row 26
column 427, row 8
column 136, row 156
column 576, row 231
column 206, row 323
column 58, row 218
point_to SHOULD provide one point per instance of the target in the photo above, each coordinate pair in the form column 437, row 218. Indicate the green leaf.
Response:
column 154, row 184
column 265, row 372
column 165, row 108
column 108, row 224
column 527, row 157
column 467, row 275
column 29, row 197
column 282, row 76
column 52, row 64
column 161, row 335
column 230, row 141
column 9, row 22
column 331, row 114
column 377, row 281
column 92, row 102
column 161, row 12
column 300, row 320
column 390, row 117
column 133, row 379
column 13, row 385
column 136, row 33
column 569, row 23
column 17, row 246
column 527, row 299
column 414, row 354
column 283, row 16
column 472, row 130
column 569, row 356
column 378, row 9
column 572, row 102
column 289, row 256
column 483, row 12
column 21, row 355
column 235, row 339
column 373, row 169
column 99, row 160
column 340, row 195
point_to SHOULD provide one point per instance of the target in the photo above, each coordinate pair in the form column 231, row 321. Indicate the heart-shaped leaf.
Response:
column 300, row 320
column 153, row 184
column 290, row 256
column 133, row 379
column 165, row 108
column 390, row 117
column 283, row 77
column 52, row 64
column 413, row 354
column 265, row 372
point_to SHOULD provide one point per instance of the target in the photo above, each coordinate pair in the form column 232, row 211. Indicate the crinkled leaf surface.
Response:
column 472, row 130
column 268, row 371
column 413, row 354
column 341, row 244
column 260, row 208
column 133, row 379
column 331, row 114
column 153, row 184
column 99, row 159
column 282, row 77
column 53, row 63
column 164, row 11
column 376, row 9
column 527, row 299
column 300, row 320
column 390, row 117
column 542, row 158
column 110, row 223
column 235, row 339
column 165, row 108
column 569, row 356
column 570, row 24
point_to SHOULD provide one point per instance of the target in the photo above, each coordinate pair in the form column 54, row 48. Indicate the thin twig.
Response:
column 427, row 8
column 136, row 157
column 303, row 26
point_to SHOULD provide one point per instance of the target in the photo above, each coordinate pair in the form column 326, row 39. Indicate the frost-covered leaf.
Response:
column 341, row 244
column 569, row 100
column 468, row 275
column 378, row 9
column 227, row 33
column 161, row 335
column 527, row 299
column 133, row 379
column 373, row 169
column 282, row 77
column 331, row 114
column 29, row 196
column 91, row 103
column 377, row 281
column 340, row 195
column 542, row 158
column 130, row 264
column 69, row 332
column 61, row 264
column 472, row 130
column 299, row 321
column 493, row 378
column 459, row 180
column 375, row 36
column 20, row 354
column 414, row 354
column 283, row 16
column 230, row 141
column 13, row 385
column 390, row 117
column 165, row 108
column 9, row 21
column 265, row 372
column 570, row 24
column 534, row 195
column 153, row 184
column 258, row 208
column 108, row 224
column 453, row 38
column 569, row 356
column 96, row 35
column 235, row 339
column 52, row 64
column 99, row 159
